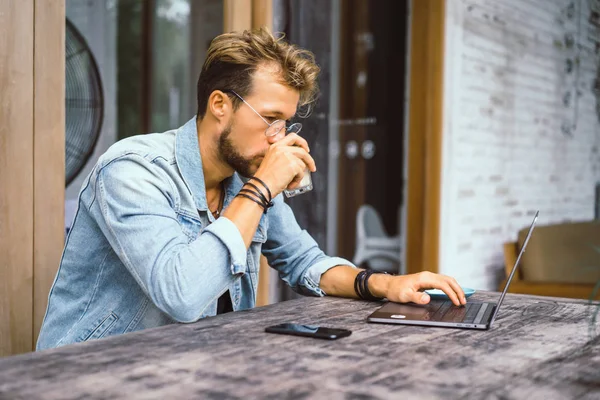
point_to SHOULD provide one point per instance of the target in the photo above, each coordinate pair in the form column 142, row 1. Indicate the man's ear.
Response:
column 219, row 105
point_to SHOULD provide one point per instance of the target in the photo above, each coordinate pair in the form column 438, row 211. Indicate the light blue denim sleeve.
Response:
column 294, row 253
column 134, row 205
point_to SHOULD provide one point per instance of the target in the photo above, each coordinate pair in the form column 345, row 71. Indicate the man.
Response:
column 170, row 227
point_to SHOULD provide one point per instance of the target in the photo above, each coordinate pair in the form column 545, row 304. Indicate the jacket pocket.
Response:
column 100, row 328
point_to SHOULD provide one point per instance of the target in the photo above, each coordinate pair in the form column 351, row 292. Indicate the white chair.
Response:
column 373, row 245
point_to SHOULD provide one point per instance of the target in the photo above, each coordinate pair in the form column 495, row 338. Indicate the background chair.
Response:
column 373, row 245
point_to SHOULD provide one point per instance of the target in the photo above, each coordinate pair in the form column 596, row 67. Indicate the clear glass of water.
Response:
column 306, row 183
column 305, row 186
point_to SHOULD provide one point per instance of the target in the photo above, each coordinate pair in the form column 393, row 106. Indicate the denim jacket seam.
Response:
column 146, row 158
column 250, row 274
column 126, row 261
column 103, row 209
column 138, row 316
column 85, row 187
column 185, row 213
column 87, row 306
column 111, row 316
column 156, row 157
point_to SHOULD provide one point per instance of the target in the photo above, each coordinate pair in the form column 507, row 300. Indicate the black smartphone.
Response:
column 320, row 332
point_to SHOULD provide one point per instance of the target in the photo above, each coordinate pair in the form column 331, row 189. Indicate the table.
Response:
column 539, row 347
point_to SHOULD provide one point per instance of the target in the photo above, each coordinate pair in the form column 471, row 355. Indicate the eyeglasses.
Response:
column 274, row 128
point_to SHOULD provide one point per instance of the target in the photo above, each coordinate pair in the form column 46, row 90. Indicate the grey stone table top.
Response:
column 539, row 347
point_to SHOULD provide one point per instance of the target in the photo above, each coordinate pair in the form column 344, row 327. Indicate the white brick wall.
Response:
column 511, row 145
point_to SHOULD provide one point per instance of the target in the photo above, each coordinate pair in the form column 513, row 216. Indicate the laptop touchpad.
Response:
column 409, row 310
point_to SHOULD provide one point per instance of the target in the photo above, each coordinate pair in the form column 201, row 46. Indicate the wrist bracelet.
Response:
column 361, row 285
column 368, row 293
column 259, row 195
column 264, row 185
column 258, row 192
column 265, row 207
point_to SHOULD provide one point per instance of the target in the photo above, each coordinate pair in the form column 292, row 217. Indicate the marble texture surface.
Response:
column 539, row 347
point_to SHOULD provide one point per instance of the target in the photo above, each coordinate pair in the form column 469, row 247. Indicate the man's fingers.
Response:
column 448, row 285
column 414, row 296
column 298, row 178
column 458, row 290
column 293, row 139
column 305, row 157
column 445, row 287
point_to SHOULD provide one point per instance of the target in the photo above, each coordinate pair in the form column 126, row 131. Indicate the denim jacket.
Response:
column 144, row 250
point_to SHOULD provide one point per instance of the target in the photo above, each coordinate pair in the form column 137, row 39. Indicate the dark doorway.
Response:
column 371, row 123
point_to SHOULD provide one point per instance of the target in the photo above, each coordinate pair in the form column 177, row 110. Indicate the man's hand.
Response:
column 409, row 288
column 284, row 163
column 339, row 281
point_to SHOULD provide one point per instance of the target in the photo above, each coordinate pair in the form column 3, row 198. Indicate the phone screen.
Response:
column 320, row 332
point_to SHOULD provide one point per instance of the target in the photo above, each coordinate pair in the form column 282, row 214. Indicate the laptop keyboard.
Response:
column 448, row 312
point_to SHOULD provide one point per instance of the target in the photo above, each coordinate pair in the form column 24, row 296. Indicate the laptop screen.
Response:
column 514, row 268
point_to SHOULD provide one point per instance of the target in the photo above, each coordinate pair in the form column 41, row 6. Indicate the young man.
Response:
column 170, row 226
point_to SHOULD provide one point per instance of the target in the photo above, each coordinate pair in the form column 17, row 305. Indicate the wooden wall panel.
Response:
column 237, row 15
column 425, row 135
column 16, row 175
column 262, row 16
column 240, row 15
column 49, row 151
column 262, row 13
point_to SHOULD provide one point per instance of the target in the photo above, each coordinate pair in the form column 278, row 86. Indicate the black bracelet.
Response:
column 265, row 208
column 361, row 285
column 356, row 289
column 358, row 282
column 265, row 186
column 368, row 293
column 258, row 191
column 258, row 194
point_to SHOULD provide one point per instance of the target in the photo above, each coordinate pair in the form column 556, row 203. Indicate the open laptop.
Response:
column 474, row 315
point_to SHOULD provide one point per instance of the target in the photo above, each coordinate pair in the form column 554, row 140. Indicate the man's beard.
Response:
column 231, row 156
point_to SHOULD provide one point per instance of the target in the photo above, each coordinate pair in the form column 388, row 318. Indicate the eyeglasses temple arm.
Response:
column 252, row 108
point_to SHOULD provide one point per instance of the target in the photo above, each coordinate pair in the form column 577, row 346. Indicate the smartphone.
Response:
column 320, row 332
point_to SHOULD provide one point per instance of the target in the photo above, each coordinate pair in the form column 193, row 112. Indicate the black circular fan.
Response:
column 84, row 108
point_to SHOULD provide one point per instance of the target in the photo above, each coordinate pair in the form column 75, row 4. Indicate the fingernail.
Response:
column 464, row 299
column 424, row 297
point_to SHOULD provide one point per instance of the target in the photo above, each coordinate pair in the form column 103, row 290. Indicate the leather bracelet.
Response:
column 356, row 289
column 369, row 295
column 358, row 284
column 265, row 186
column 265, row 207
column 258, row 192
column 361, row 285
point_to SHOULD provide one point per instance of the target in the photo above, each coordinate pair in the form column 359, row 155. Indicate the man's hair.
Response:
column 232, row 59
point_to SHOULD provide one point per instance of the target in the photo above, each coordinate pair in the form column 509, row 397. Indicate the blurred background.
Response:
column 441, row 128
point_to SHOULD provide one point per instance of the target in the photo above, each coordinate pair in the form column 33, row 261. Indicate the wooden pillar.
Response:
column 262, row 15
column 425, row 135
column 49, row 152
column 237, row 15
column 240, row 15
column 32, row 177
column 16, row 176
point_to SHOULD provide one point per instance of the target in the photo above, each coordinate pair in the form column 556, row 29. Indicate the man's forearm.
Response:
column 339, row 281
column 245, row 214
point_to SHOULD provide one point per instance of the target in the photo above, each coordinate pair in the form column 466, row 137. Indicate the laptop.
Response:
column 474, row 315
